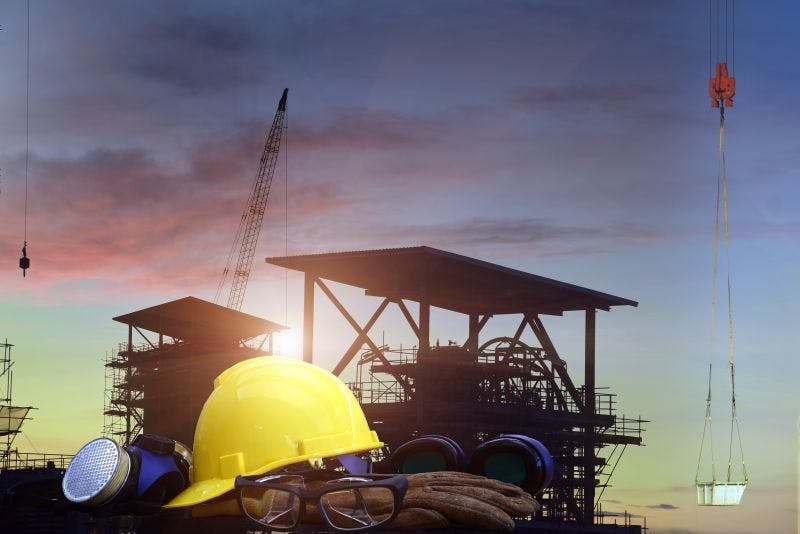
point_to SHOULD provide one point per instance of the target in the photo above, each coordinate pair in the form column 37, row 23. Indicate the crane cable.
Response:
column 722, row 89
column 24, row 261
column 723, row 177
column 286, row 216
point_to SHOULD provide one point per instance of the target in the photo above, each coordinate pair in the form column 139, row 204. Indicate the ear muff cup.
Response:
column 428, row 453
column 516, row 459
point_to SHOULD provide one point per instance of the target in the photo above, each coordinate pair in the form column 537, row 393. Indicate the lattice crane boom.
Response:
column 250, row 224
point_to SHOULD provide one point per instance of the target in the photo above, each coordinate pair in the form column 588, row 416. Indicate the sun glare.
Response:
column 286, row 344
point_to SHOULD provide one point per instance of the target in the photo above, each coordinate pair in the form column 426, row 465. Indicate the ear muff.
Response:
column 516, row 459
column 428, row 453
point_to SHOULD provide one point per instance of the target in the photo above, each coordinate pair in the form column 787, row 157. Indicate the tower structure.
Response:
column 475, row 390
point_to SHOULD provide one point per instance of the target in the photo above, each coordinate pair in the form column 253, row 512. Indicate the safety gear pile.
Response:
column 267, row 431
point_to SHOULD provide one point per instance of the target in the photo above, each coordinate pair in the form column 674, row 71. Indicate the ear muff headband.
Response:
column 428, row 453
column 515, row 459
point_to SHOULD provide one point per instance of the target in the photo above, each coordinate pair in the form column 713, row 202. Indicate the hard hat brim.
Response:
column 205, row 490
column 201, row 492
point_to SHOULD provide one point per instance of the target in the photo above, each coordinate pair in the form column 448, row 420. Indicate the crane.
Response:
column 250, row 224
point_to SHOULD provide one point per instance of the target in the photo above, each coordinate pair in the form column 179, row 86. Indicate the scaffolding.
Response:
column 123, row 410
column 159, row 385
column 11, row 417
column 11, row 420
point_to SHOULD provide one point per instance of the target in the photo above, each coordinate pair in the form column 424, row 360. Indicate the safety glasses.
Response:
column 347, row 503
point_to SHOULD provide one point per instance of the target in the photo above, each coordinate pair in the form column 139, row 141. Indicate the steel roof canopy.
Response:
column 192, row 318
column 449, row 281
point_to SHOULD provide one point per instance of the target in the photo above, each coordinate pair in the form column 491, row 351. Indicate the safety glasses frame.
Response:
column 397, row 484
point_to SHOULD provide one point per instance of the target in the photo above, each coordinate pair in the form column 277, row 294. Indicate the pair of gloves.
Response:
column 451, row 499
column 435, row 500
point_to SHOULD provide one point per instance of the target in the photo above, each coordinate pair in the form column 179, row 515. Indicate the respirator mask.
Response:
column 140, row 477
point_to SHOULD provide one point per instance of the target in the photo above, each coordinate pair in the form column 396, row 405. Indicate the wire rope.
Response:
column 27, row 117
column 731, row 339
column 286, row 215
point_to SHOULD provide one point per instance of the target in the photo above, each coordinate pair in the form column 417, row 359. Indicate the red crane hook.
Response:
column 722, row 87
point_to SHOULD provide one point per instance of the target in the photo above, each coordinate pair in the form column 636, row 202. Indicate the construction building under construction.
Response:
column 481, row 388
column 159, row 385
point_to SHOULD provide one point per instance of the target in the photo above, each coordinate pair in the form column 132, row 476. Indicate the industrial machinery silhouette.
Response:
column 474, row 391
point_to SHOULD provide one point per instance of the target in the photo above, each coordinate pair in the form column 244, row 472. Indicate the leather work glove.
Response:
column 448, row 498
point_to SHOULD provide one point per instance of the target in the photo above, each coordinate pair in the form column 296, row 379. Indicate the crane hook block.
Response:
column 722, row 87
column 24, row 261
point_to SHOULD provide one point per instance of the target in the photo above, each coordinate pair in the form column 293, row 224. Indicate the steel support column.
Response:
column 424, row 328
column 476, row 324
column 308, row 317
column 423, row 349
column 589, row 403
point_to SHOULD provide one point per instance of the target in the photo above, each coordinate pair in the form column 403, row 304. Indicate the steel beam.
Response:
column 308, row 317
column 589, row 390
column 550, row 349
column 407, row 315
column 476, row 324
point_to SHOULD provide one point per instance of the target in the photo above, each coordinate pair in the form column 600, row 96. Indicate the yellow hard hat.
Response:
column 269, row 412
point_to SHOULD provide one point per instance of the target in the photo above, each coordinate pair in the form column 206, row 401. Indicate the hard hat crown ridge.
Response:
column 268, row 412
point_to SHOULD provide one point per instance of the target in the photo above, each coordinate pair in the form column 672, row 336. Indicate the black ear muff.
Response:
column 516, row 459
column 428, row 453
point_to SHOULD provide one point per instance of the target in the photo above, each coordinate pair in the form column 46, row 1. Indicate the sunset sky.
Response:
column 568, row 139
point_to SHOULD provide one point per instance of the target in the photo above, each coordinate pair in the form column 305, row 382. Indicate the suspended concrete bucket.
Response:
column 720, row 494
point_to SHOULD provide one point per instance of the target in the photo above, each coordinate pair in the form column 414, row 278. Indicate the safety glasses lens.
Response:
column 423, row 462
column 273, row 508
column 505, row 466
column 358, row 508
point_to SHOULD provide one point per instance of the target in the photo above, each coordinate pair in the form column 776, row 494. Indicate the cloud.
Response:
column 662, row 506
column 196, row 55
column 120, row 215
column 610, row 97
column 219, row 34
column 500, row 238
column 313, row 199
column 603, row 106
column 609, row 513
column 372, row 129
column 547, row 236
column 110, row 217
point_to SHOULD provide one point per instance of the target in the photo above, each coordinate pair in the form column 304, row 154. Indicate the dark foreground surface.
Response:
column 31, row 502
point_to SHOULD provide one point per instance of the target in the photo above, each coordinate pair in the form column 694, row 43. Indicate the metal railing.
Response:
column 34, row 460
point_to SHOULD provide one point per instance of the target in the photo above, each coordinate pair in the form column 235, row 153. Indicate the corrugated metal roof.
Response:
column 449, row 281
column 191, row 318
